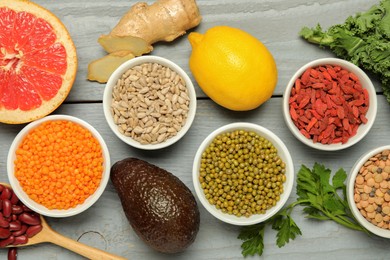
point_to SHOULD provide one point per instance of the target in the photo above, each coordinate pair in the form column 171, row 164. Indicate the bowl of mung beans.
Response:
column 243, row 173
column 149, row 102
column 368, row 191
column 58, row 166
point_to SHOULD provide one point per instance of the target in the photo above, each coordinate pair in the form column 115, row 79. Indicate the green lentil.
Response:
column 242, row 174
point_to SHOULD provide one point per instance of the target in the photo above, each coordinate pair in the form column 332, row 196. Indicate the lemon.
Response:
column 232, row 67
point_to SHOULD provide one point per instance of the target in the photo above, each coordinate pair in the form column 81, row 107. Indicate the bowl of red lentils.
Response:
column 243, row 173
column 368, row 191
column 149, row 102
column 58, row 166
column 329, row 104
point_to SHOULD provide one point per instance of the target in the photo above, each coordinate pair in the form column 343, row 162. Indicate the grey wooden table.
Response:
column 276, row 23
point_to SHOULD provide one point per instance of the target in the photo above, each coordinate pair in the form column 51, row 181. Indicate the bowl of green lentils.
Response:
column 243, row 173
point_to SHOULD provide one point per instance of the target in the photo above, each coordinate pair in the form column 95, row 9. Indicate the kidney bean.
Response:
column 7, row 208
column 20, row 232
column 14, row 199
column 15, row 225
column 26, row 209
column 6, row 242
column 4, row 233
column 23, row 239
column 16, row 209
column 33, row 230
column 4, row 223
column 6, row 194
column 12, row 253
column 29, row 218
column 1, row 187
column 17, row 221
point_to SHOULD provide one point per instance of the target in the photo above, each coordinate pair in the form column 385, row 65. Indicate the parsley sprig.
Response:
column 321, row 199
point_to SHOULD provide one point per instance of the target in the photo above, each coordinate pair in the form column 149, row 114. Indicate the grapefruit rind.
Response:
column 63, row 37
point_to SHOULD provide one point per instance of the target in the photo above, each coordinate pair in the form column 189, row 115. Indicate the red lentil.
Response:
column 59, row 164
column 328, row 103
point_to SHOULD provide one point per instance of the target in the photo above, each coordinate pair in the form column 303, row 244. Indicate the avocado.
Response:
column 159, row 206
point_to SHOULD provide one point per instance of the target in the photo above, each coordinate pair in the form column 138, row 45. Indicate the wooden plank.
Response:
column 275, row 23
column 105, row 226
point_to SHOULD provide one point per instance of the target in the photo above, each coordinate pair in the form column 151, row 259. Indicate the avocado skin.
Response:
column 159, row 207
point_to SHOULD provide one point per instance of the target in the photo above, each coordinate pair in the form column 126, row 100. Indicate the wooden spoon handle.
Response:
column 81, row 249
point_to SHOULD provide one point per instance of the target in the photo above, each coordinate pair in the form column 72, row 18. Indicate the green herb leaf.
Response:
column 287, row 230
column 324, row 177
column 253, row 237
column 334, row 205
column 306, row 183
column 339, row 178
column 311, row 210
column 327, row 204
column 318, row 217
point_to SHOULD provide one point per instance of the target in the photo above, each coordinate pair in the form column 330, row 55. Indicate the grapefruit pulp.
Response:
column 38, row 62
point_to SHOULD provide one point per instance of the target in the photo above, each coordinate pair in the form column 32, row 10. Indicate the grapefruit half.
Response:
column 38, row 62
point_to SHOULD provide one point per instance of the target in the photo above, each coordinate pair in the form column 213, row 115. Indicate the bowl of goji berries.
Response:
column 58, row 166
column 330, row 104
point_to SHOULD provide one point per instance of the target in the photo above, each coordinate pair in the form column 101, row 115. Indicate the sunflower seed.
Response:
column 150, row 103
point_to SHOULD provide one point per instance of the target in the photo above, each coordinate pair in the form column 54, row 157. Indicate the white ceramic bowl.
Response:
column 107, row 99
column 350, row 193
column 283, row 153
column 38, row 207
column 363, row 128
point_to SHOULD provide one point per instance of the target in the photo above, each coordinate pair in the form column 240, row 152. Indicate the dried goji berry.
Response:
column 293, row 114
column 327, row 75
column 311, row 123
column 305, row 100
column 306, row 77
column 314, row 73
column 353, row 77
column 332, row 73
column 318, row 85
column 364, row 119
column 355, row 111
column 328, row 103
column 340, row 112
column 297, row 85
column 306, row 134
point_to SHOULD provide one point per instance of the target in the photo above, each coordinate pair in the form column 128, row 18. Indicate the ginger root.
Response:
column 101, row 69
column 134, row 44
column 143, row 25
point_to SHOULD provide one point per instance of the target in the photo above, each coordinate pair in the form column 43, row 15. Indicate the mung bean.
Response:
column 249, row 172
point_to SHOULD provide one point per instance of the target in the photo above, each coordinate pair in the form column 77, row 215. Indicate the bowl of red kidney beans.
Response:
column 330, row 104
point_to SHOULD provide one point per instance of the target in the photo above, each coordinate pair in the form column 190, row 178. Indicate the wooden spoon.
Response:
column 47, row 234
